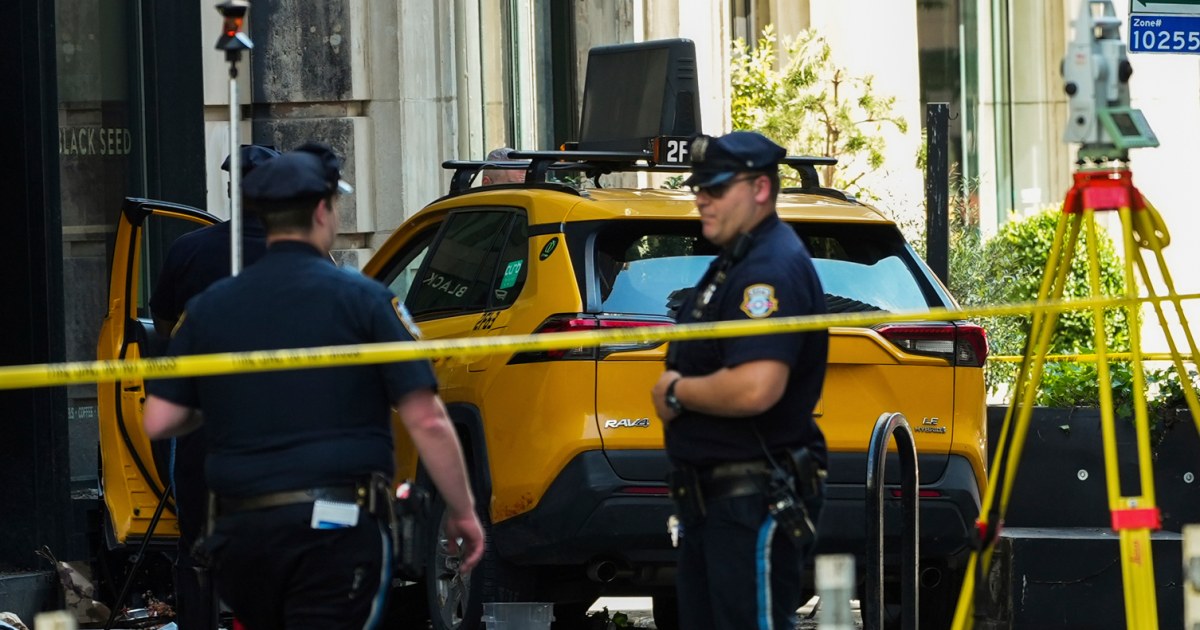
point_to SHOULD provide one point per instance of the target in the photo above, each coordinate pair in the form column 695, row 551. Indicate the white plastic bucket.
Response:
column 518, row 615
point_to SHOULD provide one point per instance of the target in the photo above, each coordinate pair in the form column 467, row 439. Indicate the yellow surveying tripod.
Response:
column 1096, row 75
column 1133, row 517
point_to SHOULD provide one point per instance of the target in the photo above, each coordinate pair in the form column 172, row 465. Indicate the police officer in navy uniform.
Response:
column 194, row 262
column 201, row 257
column 748, row 458
column 300, row 462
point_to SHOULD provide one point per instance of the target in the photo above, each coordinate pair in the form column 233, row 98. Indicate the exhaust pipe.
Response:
column 931, row 577
column 605, row 571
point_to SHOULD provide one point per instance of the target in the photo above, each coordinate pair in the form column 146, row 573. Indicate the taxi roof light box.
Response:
column 636, row 92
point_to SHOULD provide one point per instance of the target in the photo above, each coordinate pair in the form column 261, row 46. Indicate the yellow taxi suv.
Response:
column 564, row 447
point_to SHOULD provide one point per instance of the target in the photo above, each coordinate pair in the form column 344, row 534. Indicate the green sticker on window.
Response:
column 510, row 274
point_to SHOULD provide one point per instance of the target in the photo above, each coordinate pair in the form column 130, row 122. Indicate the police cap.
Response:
column 251, row 157
column 311, row 170
column 715, row 160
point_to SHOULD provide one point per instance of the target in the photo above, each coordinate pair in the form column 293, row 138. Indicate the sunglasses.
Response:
column 716, row 191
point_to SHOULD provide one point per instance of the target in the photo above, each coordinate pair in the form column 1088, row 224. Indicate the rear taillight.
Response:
column 583, row 322
column 924, row 493
column 962, row 344
column 972, row 348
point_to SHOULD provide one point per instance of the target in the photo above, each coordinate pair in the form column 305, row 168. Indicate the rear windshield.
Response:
column 646, row 267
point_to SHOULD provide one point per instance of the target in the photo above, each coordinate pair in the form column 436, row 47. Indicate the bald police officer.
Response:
column 301, row 461
column 747, row 455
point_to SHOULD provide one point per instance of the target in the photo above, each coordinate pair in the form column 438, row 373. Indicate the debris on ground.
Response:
column 9, row 621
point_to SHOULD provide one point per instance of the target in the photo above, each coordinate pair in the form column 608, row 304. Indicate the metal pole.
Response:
column 937, row 190
column 233, row 41
column 235, row 175
column 1191, row 577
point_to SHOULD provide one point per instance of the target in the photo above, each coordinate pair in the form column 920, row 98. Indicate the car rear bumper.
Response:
column 590, row 512
column 947, row 521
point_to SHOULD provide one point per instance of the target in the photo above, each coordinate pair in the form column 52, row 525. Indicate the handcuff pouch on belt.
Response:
column 411, row 527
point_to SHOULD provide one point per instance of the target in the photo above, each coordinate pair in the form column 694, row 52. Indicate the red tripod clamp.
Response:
column 1103, row 190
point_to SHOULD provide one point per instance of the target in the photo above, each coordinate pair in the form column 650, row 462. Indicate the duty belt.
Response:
column 374, row 494
column 737, row 469
column 734, row 479
column 339, row 494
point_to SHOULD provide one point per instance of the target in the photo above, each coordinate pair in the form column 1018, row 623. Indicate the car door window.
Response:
column 514, row 265
column 458, row 273
column 402, row 270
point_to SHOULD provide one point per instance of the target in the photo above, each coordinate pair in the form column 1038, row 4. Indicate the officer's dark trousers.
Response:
column 275, row 571
column 196, row 605
column 737, row 570
column 195, row 598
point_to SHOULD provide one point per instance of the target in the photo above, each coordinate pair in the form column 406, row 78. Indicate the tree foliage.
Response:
column 812, row 106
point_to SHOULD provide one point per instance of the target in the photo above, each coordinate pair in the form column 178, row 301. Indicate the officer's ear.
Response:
column 762, row 189
column 327, row 203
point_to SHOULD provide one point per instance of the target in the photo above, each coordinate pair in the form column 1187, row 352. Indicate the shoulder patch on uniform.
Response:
column 759, row 301
column 406, row 319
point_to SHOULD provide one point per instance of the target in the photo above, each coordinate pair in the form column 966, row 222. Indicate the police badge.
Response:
column 759, row 301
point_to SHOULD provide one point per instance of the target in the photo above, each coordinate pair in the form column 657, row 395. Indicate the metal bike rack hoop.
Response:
column 887, row 426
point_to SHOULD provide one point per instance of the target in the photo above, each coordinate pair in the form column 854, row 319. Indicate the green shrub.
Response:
column 1069, row 384
column 1013, row 263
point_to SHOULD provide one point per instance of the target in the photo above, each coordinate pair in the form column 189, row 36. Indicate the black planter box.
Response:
column 1070, row 577
column 1061, row 481
column 1057, row 563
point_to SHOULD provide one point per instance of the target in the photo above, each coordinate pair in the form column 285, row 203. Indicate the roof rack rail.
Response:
column 667, row 154
column 537, row 164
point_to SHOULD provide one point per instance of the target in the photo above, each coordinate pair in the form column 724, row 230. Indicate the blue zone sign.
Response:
column 1164, row 33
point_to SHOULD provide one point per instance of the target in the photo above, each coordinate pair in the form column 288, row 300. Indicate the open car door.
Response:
column 134, row 473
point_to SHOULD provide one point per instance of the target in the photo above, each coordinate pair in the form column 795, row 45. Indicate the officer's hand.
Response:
column 659, row 396
column 467, row 528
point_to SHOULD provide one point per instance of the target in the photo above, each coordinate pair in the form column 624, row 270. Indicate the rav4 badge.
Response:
column 641, row 423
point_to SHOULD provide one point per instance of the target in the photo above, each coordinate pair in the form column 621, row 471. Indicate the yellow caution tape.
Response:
column 45, row 375
column 1091, row 358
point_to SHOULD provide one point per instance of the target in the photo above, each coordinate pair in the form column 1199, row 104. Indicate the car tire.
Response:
column 456, row 601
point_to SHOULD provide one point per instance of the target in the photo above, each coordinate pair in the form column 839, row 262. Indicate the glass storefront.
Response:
column 948, row 41
column 99, row 152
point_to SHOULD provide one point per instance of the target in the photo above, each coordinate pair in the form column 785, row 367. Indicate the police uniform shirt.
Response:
column 294, row 429
column 775, row 278
column 198, row 259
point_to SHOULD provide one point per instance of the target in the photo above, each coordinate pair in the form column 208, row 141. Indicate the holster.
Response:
column 789, row 492
column 686, row 493
column 381, row 503
column 808, row 472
